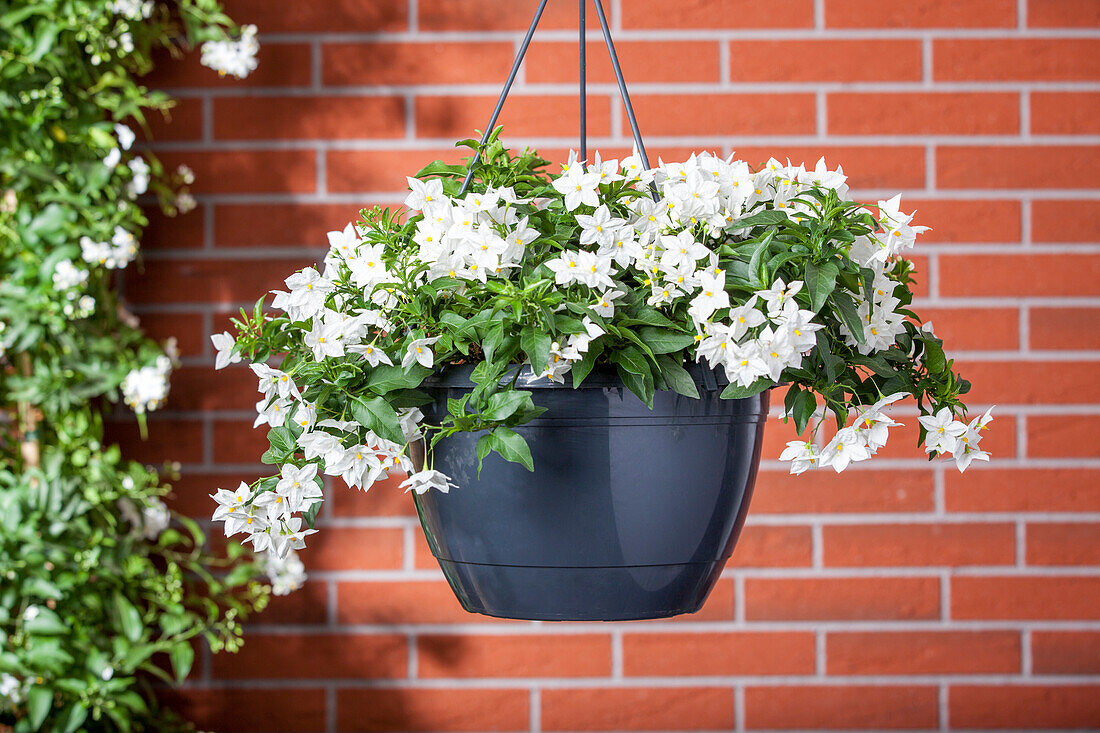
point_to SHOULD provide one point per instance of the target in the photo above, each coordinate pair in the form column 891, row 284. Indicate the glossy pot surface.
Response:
column 631, row 513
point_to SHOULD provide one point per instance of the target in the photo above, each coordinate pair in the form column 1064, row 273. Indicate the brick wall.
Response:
column 897, row 595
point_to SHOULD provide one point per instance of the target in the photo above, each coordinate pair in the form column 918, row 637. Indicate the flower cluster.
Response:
column 762, row 276
column 146, row 388
column 235, row 58
column 114, row 254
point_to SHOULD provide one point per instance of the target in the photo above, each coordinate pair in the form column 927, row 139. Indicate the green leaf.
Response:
column 377, row 415
column 664, row 341
column 768, row 217
column 820, row 283
column 583, row 368
column 512, row 447
column 484, row 446
column 641, row 384
column 46, row 623
column 632, row 360
column 846, row 309
column 504, row 404
column 804, row 405
column 537, row 347
column 129, row 618
column 182, row 657
column 386, row 378
column 281, row 439
column 737, row 392
column 677, row 378
column 934, row 359
column 39, row 702
column 73, row 717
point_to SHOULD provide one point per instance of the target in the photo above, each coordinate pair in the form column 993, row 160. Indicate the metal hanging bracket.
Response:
column 583, row 87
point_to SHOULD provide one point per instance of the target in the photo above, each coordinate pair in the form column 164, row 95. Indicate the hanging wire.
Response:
column 584, row 90
column 504, row 93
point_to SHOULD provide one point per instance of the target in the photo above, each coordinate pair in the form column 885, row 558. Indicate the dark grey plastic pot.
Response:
column 631, row 513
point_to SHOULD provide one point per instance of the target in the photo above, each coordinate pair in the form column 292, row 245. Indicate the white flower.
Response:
column 744, row 317
column 308, row 291
column 802, row 455
column 249, row 518
column 224, row 344
column 604, row 307
column 578, row 187
column 600, row 227
column 846, row 447
column 272, row 411
column 155, row 518
column 125, row 136
column 287, row 573
column 305, row 416
column 146, row 388
column 777, row 295
column 319, row 444
column 373, row 354
column 326, row 337
column 112, row 158
column 235, row 58
column 712, row 296
column 67, row 276
column 368, row 269
column 409, row 418
column 139, row 170
column 424, row 194
column 942, row 431
column 593, row 270
column 419, row 351
column 231, row 501
column 423, row 481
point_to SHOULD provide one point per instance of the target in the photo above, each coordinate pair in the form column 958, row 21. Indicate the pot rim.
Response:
column 601, row 377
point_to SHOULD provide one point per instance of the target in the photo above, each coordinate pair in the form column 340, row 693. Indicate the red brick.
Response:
column 410, row 64
column 522, row 116
column 1016, row 59
column 244, row 710
column 211, row 281
column 975, row 329
column 186, row 328
column 641, row 61
column 680, row 708
column 922, row 652
column 1062, row 275
column 709, row 14
column 1065, row 329
column 516, row 655
column 918, row 545
column 1065, row 221
column 724, row 114
column 355, row 548
column 339, row 16
column 866, row 166
column 1063, row 543
column 1063, row 436
column 181, row 122
column 719, row 654
column 1030, row 598
column 202, row 388
column 1063, row 14
column 385, row 498
column 278, row 65
column 1030, row 382
column 382, row 170
column 924, row 14
column 825, row 60
column 308, row 118
column 183, row 231
column 966, row 221
column 168, row 440
column 1065, row 113
column 251, row 171
column 1018, row 707
column 497, row 15
column 774, row 547
column 873, row 707
column 1065, row 652
column 405, row 709
column 280, row 225
column 1023, row 490
column 397, row 602
column 307, row 606
column 236, row 441
column 1038, row 166
column 777, row 492
column 794, row 599
column 924, row 113
column 316, row 656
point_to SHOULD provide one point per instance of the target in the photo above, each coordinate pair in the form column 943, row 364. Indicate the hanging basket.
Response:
column 631, row 513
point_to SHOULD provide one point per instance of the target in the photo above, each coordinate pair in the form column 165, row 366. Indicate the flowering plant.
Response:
column 102, row 587
column 767, row 277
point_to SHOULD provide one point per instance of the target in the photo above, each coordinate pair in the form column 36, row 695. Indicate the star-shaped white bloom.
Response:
column 419, row 351
column 942, row 431
column 423, row 481
column 223, row 344
column 231, row 501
